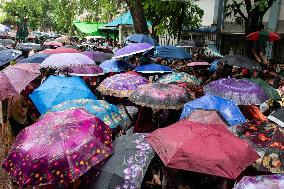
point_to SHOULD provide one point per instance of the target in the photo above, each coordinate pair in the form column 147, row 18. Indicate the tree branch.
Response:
column 269, row 4
column 237, row 8
column 248, row 5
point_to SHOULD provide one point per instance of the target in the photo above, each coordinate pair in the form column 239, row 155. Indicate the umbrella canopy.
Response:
column 96, row 55
column 115, row 66
column 35, row 58
column 15, row 78
column 207, row 117
column 53, row 44
column 60, row 50
column 132, row 48
column 108, row 113
column 121, row 85
column 60, row 147
column 171, row 52
column 192, row 64
column 29, row 46
column 56, row 90
column 84, row 71
column 269, row 90
column 8, row 55
column 66, row 60
column 7, row 42
column 127, row 167
column 263, row 35
column 242, row 92
column 4, row 28
column 261, row 182
column 277, row 117
column 240, row 61
column 141, row 38
column 179, row 77
column 160, row 96
column 268, row 139
column 153, row 68
column 211, row 51
column 204, row 148
column 185, row 43
column 227, row 108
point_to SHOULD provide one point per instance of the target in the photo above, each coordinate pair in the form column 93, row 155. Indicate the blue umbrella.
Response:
column 36, row 58
column 171, row 52
column 4, row 28
column 214, row 66
column 141, row 38
column 8, row 55
column 115, row 66
column 56, row 90
column 227, row 108
column 153, row 68
column 108, row 113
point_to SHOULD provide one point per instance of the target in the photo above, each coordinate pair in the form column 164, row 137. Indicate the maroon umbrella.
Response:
column 15, row 78
column 204, row 148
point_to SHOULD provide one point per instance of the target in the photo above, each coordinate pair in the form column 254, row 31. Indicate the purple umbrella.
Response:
column 132, row 48
column 62, row 60
column 121, row 85
column 85, row 71
column 15, row 78
column 242, row 92
column 60, row 147
column 96, row 55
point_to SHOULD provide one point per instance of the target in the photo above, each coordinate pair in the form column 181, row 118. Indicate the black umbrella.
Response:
column 240, row 61
column 7, row 42
column 277, row 117
column 29, row 46
column 128, row 164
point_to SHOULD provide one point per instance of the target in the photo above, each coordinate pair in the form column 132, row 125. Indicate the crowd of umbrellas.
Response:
column 73, row 136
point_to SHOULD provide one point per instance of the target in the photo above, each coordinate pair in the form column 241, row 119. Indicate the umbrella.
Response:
column 180, row 77
column 269, row 90
column 8, row 55
column 192, row 64
column 66, row 60
column 35, row 58
column 131, row 49
column 153, row 68
column 121, row 85
column 60, row 147
column 160, row 96
column 108, row 113
column 4, row 28
column 29, row 46
column 214, row 66
column 141, row 38
column 240, row 61
column 115, row 66
column 277, row 117
column 171, row 52
column 84, row 71
column 263, row 35
column 53, row 43
column 227, row 108
column 59, row 50
column 96, row 55
column 242, row 92
column 211, row 51
column 185, row 43
column 207, row 117
column 261, row 182
column 7, row 42
column 15, row 78
column 204, row 148
column 55, row 90
column 127, row 167
column 268, row 139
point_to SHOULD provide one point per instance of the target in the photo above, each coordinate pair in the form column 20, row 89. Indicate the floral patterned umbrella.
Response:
column 160, row 96
column 242, row 92
column 268, row 139
column 261, row 182
column 121, row 85
column 180, row 77
column 59, row 148
column 108, row 113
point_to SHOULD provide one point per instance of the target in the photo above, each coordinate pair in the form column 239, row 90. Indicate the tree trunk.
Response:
column 138, row 16
column 180, row 22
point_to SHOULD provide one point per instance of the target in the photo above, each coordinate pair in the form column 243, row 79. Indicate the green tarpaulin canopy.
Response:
column 90, row 28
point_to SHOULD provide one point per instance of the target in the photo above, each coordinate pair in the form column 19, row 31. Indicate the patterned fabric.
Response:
column 180, row 77
column 132, row 110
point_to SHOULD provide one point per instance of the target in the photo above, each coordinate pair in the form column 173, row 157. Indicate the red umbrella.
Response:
column 270, row 36
column 60, row 50
column 204, row 148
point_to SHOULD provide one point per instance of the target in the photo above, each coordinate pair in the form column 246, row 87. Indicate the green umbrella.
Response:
column 269, row 90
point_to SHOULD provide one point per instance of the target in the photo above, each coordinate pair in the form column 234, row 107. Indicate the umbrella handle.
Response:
column 127, row 113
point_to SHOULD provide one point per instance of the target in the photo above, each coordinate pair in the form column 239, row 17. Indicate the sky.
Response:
column 208, row 7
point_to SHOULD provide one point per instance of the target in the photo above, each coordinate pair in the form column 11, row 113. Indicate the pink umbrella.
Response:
column 191, row 64
column 85, row 70
column 204, row 148
column 53, row 43
column 15, row 78
column 59, row 50
column 59, row 148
